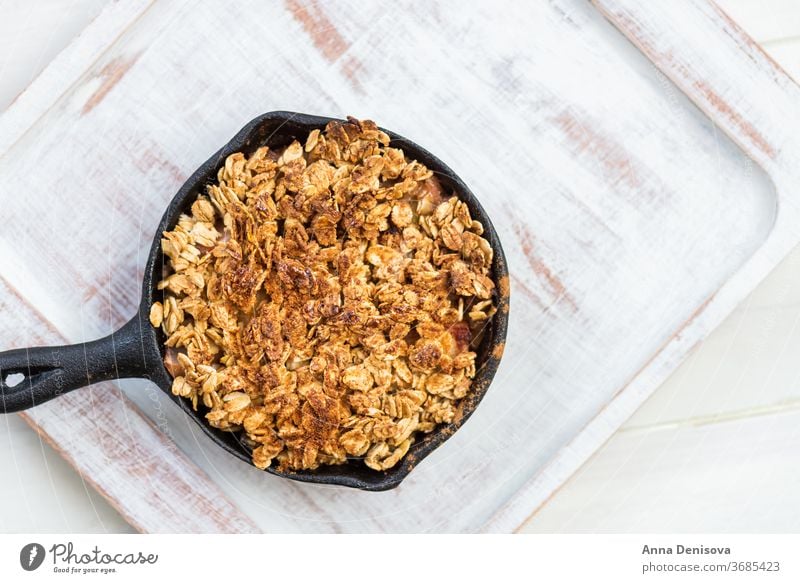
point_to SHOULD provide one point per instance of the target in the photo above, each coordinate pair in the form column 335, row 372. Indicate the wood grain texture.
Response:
column 724, row 479
column 33, row 34
column 747, row 365
column 632, row 224
column 115, row 449
column 99, row 431
column 697, row 54
column 66, row 67
column 766, row 20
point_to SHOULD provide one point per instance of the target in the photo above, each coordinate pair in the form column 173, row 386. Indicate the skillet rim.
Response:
column 353, row 474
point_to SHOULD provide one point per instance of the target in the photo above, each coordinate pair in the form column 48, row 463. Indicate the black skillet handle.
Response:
column 50, row 371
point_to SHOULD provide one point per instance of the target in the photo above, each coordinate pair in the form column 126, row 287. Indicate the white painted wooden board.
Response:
column 33, row 34
column 612, row 195
column 765, row 20
column 714, row 449
column 742, row 487
column 113, row 447
column 695, row 51
column 48, row 495
column 711, row 450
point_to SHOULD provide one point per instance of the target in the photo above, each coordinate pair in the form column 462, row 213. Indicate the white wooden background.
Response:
column 659, row 441
column 717, row 447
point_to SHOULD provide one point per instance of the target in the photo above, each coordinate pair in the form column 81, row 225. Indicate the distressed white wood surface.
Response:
column 766, row 21
column 100, row 432
column 742, row 487
column 114, row 448
column 612, row 195
column 696, row 54
column 67, row 66
column 712, row 449
column 33, row 34
column 48, row 495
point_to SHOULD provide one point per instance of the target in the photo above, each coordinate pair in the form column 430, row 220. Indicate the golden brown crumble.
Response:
column 324, row 298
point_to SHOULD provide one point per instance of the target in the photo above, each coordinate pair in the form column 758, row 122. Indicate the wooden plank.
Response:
column 767, row 20
column 787, row 53
column 716, row 89
column 624, row 213
column 66, row 67
column 147, row 457
column 697, row 59
column 49, row 496
column 113, row 447
column 747, row 364
column 32, row 34
column 724, row 479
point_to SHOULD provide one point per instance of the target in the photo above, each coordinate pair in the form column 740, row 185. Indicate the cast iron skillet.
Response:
column 136, row 350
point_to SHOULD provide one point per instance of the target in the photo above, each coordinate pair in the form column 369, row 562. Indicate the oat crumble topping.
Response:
column 324, row 299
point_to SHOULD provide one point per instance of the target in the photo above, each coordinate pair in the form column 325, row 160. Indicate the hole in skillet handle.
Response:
column 277, row 129
column 14, row 379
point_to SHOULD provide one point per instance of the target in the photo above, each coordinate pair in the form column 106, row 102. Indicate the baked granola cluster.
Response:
column 324, row 298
